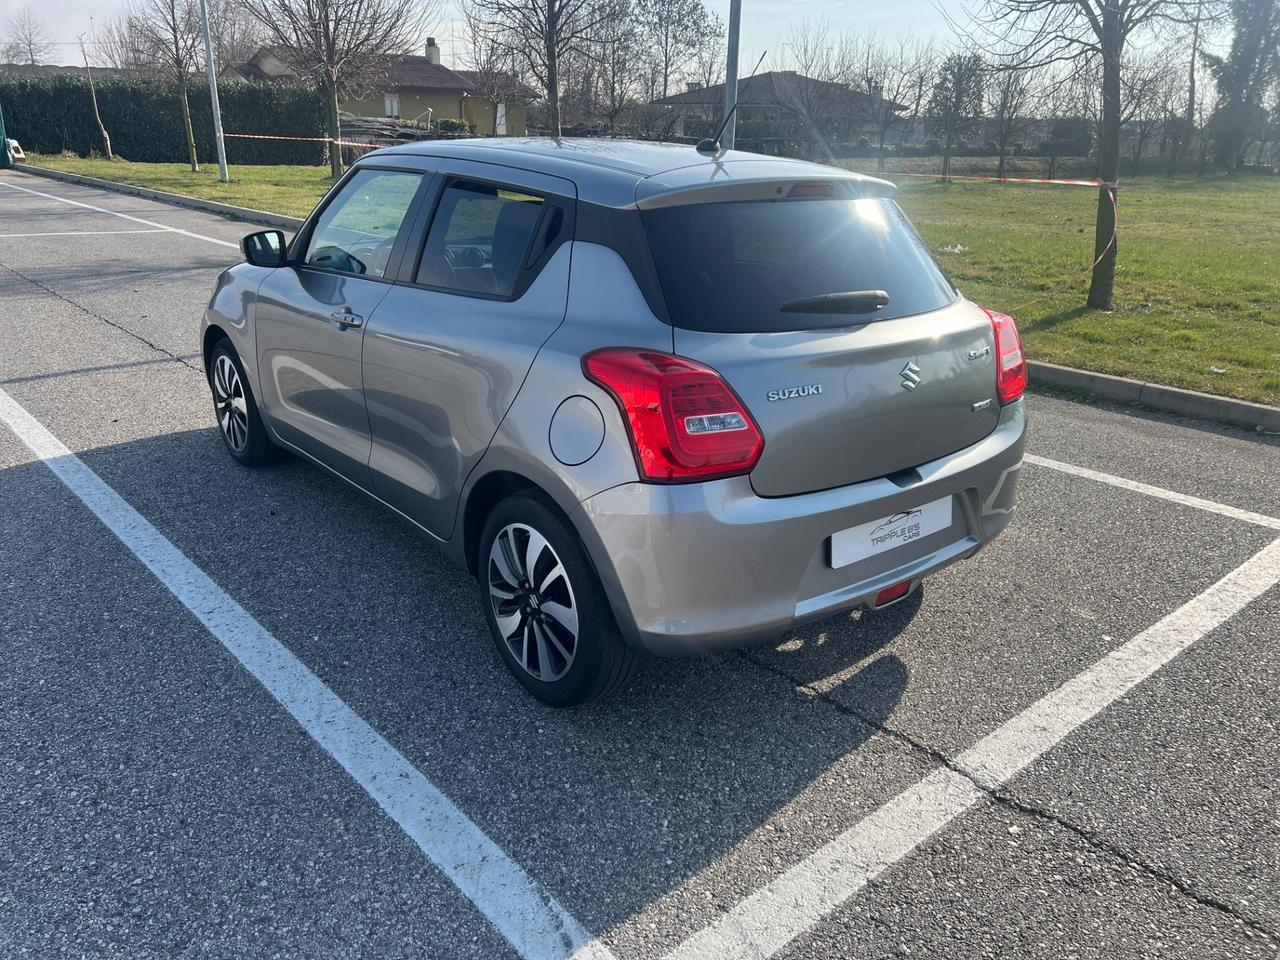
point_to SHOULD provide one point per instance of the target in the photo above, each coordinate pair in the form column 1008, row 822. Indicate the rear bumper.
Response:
column 695, row 568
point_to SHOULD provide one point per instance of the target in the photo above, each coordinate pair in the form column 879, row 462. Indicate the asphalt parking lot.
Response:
column 251, row 714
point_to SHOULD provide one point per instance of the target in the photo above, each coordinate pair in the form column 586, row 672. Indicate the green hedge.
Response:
column 52, row 113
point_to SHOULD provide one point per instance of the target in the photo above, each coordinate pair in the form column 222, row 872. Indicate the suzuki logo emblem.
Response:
column 910, row 376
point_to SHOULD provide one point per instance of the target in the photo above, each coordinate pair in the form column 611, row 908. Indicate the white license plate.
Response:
column 877, row 536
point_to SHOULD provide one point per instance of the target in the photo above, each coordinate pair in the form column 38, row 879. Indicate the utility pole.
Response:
column 213, row 95
column 731, row 76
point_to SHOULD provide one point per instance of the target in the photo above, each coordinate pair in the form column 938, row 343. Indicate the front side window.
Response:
column 480, row 238
column 356, row 231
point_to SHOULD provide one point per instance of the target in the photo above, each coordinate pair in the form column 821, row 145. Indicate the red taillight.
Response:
column 890, row 594
column 1011, row 365
column 685, row 421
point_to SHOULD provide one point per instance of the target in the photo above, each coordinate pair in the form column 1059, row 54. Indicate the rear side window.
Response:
column 480, row 238
column 730, row 267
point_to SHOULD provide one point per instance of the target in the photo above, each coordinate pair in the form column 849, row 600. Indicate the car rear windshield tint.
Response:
column 730, row 267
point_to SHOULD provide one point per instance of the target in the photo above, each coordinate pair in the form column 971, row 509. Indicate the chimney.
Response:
column 433, row 52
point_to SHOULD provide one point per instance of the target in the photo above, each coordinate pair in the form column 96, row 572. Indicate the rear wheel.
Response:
column 239, row 421
column 546, row 609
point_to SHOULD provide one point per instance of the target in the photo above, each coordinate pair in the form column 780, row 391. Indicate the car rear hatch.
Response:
column 845, row 388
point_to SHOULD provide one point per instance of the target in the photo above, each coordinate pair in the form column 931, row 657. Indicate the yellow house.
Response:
column 415, row 88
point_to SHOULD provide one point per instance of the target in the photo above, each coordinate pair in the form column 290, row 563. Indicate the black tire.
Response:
column 255, row 448
column 602, row 662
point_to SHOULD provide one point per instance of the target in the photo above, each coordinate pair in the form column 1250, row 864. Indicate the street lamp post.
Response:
column 731, row 76
column 213, row 95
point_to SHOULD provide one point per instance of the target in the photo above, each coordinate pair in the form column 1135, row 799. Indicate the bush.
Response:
column 53, row 112
column 451, row 125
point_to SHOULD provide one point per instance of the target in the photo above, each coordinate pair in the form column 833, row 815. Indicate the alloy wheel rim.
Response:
column 229, row 402
column 533, row 602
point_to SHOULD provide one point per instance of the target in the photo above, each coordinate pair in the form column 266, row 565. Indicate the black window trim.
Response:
column 527, row 273
column 302, row 239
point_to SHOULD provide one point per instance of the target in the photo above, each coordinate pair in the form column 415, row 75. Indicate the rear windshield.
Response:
column 729, row 267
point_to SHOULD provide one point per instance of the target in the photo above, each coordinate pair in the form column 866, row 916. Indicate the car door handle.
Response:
column 344, row 319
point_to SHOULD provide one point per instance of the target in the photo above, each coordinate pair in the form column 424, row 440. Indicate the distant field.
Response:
column 1197, row 289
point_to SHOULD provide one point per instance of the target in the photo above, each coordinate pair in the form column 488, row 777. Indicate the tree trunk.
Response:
column 93, row 96
column 1102, row 284
column 553, row 69
column 1001, row 167
column 880, row 152
column 335, row 132
column 186, row 128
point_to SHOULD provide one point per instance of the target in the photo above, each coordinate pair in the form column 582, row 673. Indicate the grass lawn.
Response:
column 290, row 190
column 1197, row 288
column 1197, row 296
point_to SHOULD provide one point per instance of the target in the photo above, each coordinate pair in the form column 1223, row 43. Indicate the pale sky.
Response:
column 765, row 23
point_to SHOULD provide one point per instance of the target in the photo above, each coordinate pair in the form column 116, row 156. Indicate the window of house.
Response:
column 356, row 231
column 479, row 238
column 392, row 104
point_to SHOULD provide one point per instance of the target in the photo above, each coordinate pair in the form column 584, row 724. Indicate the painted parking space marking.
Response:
column 1235, row 513
column 82, row 233
column 521, row 910
column 769, row 919
column 116, row 213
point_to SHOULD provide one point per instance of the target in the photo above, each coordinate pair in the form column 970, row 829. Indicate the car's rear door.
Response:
column 827, row 315
column 482, row 287
column 311, row 316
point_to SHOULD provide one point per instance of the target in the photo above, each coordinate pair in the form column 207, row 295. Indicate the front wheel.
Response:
column 546, row 609
column 239, row 421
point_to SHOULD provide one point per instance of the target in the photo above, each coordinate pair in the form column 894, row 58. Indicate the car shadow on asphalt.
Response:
column 645, row 795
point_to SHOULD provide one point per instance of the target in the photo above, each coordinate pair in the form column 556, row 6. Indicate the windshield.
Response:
column 730, row 267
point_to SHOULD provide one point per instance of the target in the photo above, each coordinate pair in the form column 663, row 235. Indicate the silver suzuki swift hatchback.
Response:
column 653, row 400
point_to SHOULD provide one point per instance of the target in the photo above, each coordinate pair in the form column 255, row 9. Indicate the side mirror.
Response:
column 264, row 249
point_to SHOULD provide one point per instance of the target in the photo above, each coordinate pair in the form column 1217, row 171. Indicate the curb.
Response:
column 247, row 214
column 1185, row 403
column 1257, row 417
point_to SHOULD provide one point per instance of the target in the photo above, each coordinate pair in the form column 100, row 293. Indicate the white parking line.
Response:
column 534, row 923
column 773, row 916
column 116, row 213
column 1235, row 513
column 82, row 233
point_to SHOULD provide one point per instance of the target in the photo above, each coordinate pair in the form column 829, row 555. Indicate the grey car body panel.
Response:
column 310, row 379
column 862, row 423
column 440, row 372
column 687, row 567
column 701, row 567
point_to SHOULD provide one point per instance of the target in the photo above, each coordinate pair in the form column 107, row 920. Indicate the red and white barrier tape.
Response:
column 1110, row 186
column 268, row 136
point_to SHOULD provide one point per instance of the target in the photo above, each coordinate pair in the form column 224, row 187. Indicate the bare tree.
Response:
column 167, row 33
column 341, row 45
column 1144, row 81
column 26, row 41
column 1041, row 32
column 542, row 33
column 93, row 97
column 895, row 79
column 815, row 86
column 235, row 33
column 490, row 63
column 955, row 105
column 621, row 59
column 671, row 29
column 1008, row 105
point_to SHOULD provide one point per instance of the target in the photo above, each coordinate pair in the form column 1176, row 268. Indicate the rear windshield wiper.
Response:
column 850, row 301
